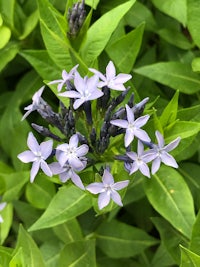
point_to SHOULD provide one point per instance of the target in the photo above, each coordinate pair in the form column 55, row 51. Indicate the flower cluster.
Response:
column 89, row 127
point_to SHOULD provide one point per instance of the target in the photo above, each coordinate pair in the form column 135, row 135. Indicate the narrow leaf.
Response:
column 188, row 258
column 193, row 20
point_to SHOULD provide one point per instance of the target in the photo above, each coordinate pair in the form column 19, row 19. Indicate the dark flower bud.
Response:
column 45, row 132
column 93, row 136
column 121, row 97
column 139, row 107
column 131, row 101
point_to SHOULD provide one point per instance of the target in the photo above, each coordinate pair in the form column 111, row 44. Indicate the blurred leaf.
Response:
column 195, row 239
column 40, row 193
column 18, row 259
column 176, row 75
column 162, row 258
column 7, row 11
column 196, row 64
column 139, row 13
column 7, row 215
column 193, row 20
column 29, row 24
column 124, row 51
column 32, row 254
column 99, row 33
column 170, row 196
column 189, row 114
column 8, row 53
column 176, row 9
column 69, row 202
column 69, row 231
column 5, row 256
column 5, row 34
column 92, row 3
column 119, row 240
column 168, row 115
column 51, row 252
column 188, row 258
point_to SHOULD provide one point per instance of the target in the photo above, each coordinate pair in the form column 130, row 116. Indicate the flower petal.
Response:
column 160, row 139
column 56, row 168
column 78, row 103
column 73, row 141
column 45, row 167
column 144, row 169
column 142, row 135
column 82, row 150
column 122, row 78
column 46, row 148
column 26, row 156
column 110, row 71
column 129, row 136
column 116, row 198
column 107, row 178
column 168, row 160
column 103, row 200
column 77, row 180
column 120, row 185
column 173, row 144
column 141, row 121
column 70, row 94
column 130, row 114
column 155, row 165
column 34, row 170
column 120, row 123
column 32, row 143
column 95, row 188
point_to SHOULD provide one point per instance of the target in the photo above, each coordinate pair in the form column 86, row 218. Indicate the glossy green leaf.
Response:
column 40, row 193
column 168, row 115
column 193, row 20
column 32, row 254
column 30, row 24
column 188, row 258
column 176, row 9
column 124, row 51
column 162, row 258
column 189, row 114
column 119, row 240
column 18, row 259
column 5, row 256
column 92, row 3
column 195, row 239
column 99, row 33
column 69, row 202
column 176, row 75
column 5, row 34
column 7, row 215
column 170, row 196
column 7, row 11
column 8, row 53
column 78, row 254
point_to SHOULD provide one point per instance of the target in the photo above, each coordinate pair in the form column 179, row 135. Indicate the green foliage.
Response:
column 158, row 43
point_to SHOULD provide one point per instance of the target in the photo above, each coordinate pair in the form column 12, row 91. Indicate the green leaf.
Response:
column 99, row 33
column 7, row 215
column 170, row 238
column 30, row 24
column 119, row 240
column 189, row 114
column 7, row 11
column 188, row 258
column 5, row 256
column 169, row 114
column 40, row 193
column 18, row 259
column 195, row 240
column 170, row 196
column 162, row 258
column 92, row 3
column 125, row 50
column 193, row 20
column 8, row 53
column 69, row 231
column 32, row 254
column 78, row 254
column 69, row 202
column 5, row 34
column 53, row 28
column 176, row 9
column 177, row 75
column 196, row 64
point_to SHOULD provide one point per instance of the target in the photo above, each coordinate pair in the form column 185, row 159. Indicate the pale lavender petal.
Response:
column 140, row 148
column 38, row 94
column 2, row 205
column 77, row 181
column 148, row 156
column 142, row 135
column 144, row 169
column 98, row 73
column 129, row 136
column 155, row 165
column 70, row 94
column 122, row 78
column 26, row 156
column 103, row 200
column 120, row 185
column 168, row 160
column 46, row 148
column 95, row 188
column 102, row 84
column 92, row 82
column 56, row 168
column 116, row 86
column 141, row 121
column 62, row 147
column 78, row 103
column 95, row 94
column 34, row 170
column 107, row 178
column 64, row 177
column 173, row 144
column 110, row 70
column 45, row 168
column 134, row 167
column 73, row 141
column 120, row 123
column 116, row 198
column 26, row 114
column 130, row 114
column 56, row 81
column 32, row 143
column 160, row 139
column 79, row 83
column 60, row 86
column 82, row 150
column 75, row 163
column 132, row 155
column 62, row 158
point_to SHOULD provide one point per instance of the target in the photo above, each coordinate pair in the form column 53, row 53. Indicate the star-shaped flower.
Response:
column 71, row 153
column 110, row 79
column 36, row 101
column 160, row 152
column 86, row 90
column 132, row 127
column 37, row 154
column 140, row 160
column 2, row 206
column 107, row 190
column 67, row 172
column 65, row 77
